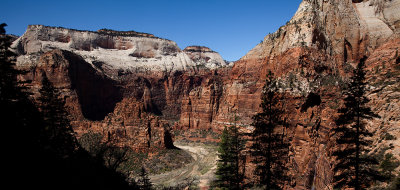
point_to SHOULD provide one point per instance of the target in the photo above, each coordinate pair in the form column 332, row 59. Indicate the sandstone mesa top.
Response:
column 126, row 50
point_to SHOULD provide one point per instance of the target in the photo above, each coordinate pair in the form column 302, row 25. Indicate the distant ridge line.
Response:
column 103, row 31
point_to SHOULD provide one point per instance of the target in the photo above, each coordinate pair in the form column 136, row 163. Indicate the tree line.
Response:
column 268, row 144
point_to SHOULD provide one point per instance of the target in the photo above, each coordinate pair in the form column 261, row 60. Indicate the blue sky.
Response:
column 231, row 27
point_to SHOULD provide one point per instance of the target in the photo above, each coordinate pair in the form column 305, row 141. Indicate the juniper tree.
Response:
column 229, row 174
column 354, row 168
column 269, row 146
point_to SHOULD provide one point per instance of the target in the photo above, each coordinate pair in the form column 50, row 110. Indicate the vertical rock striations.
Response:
column 312, row 55
column 129, row 86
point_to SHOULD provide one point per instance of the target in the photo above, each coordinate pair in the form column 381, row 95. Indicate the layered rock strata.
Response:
column 312, row 56
column 205, row 57
column 126, row 85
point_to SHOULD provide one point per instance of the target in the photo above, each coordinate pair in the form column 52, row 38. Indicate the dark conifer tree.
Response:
column 354, row 168
column 269, row 144
column 237, row 146
column 20, row 118
column 9, row 89
column 223, row 173
column 229, row 174
column 56, row 128
column 13, row 96
column 33, row 157
column 144, row 182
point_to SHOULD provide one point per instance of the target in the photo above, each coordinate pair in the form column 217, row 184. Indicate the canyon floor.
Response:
column 199, row 173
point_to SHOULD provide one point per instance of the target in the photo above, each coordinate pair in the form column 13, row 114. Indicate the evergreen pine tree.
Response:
column 237, row 146
column 14, row 99
column 10, row 90
column 20, row 118
column 57, row 129
column 144, row 182
column 223, row 173
column 229, row 175
column 42, row 155
column 354, row 168
column 269, row 146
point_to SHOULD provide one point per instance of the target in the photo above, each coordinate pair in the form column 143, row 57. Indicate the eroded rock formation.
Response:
column 312, row 55
column 128, row 86
column 204, row 56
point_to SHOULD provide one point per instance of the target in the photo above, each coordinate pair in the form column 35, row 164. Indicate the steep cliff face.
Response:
column 99, row 104
column 312, row 55
column 114, row 53
column 346, row 29
column 201, row 104
column 314, row 50
column 204, row 56
column 128, row 86
column 383, row 68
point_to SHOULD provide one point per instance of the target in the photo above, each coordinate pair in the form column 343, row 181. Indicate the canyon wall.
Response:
column 312, row 56
column 127, row 86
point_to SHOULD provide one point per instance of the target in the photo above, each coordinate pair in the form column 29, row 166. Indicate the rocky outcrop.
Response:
column 344, row 29
column 201, row 104
column 99, row 70
column 131, row 126
column 109, row 53
column 114, row 53
column 311, row 56
column 308, row 54
column 384, row 76
column 125, row 33
column 99, row 104
column 204, row 56
column 124, row 85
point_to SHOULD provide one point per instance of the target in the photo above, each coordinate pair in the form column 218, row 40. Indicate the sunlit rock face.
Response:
column 99, row 104
column 125, row 85
column 346, row 28
column 204, row 56
column 112, row 50
column 314, row 53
